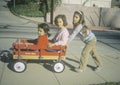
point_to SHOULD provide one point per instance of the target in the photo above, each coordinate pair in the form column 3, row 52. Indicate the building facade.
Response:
column 90, row 3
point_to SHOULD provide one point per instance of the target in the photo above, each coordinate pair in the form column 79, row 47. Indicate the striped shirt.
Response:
column 77, row 30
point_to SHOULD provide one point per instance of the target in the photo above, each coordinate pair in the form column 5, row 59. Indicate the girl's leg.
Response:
column 86, row 54
column 95, row 56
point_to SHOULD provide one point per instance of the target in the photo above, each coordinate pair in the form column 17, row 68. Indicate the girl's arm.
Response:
column 41, row 43
column 74, row 33
column 63, row 40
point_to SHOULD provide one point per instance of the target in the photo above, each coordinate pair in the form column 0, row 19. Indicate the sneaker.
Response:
column 81, row 70
column 98, row 68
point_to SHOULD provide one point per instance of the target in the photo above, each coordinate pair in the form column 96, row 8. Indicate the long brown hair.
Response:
column 81, row 21
column 81, row 15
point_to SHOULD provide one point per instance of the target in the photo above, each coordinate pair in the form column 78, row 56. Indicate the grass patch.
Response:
column 30, row 10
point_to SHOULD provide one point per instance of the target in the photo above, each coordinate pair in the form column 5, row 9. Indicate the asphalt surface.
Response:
column 40, row 73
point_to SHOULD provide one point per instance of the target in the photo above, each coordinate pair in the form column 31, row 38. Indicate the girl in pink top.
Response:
column 62, row 35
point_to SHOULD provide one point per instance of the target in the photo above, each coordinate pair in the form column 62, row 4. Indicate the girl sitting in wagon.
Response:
column 40, row 43
column 62, row 35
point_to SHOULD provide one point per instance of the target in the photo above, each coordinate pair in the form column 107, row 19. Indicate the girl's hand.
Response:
column 23, row 40
column 51, row 44
column 26, row 45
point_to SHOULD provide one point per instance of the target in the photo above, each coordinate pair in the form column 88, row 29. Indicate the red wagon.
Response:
column 20, row 56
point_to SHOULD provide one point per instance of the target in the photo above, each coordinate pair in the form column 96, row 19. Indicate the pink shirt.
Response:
column 61, row 37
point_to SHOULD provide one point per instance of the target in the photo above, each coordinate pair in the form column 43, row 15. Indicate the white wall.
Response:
column 72, row 1
column 89, row 3
column 99, row 3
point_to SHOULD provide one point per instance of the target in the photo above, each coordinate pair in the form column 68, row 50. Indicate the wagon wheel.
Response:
column 19, row 66
column 58, row 67
column 6, row 55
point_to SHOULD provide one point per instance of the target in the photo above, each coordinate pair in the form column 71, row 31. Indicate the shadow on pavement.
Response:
column 49, row 66
column 72, row 60
column 91, row 67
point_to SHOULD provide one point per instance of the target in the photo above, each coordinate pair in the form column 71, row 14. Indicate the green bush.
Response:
column 45, row 5
column 32, row 8
column 17, row 2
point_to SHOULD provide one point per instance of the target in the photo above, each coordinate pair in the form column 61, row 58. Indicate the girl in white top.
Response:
column 88, row 37
column 62, row 35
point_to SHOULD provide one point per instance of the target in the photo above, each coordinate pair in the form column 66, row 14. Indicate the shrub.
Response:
column 33, row 8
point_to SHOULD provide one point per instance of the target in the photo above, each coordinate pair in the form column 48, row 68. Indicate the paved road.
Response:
column 41, row 74
column 109, row 37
